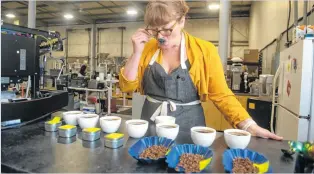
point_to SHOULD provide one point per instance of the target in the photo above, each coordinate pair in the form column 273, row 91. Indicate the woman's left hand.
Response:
column 255, row 130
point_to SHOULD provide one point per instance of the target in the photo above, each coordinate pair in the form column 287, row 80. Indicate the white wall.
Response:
column 268, row 20
column 110, row 39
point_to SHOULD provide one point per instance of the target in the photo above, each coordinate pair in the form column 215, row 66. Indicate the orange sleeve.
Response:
column 219, row 92
column 127, row 85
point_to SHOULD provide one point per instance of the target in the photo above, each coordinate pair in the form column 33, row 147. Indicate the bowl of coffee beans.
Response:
column 189, row 158
column 245, row 161
column 151, row 149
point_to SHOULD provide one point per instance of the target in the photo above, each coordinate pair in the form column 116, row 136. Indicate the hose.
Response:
column 273, row 99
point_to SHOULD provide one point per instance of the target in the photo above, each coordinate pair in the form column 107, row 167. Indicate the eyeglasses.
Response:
column 164, row 32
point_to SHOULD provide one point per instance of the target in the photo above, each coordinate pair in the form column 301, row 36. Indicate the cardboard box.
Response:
column 251, row 55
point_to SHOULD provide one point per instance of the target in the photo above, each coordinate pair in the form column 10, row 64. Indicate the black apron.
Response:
column 172, row 94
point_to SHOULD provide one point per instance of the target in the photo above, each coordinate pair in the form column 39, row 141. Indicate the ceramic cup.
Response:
column 236, row 138
column 136, row 128
column 110, row 124
column 167, row 130
column 88, row 120
column 203, row 136
column 71, row 117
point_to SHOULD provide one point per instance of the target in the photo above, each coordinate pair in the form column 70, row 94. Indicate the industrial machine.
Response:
column 21, row 49
column 236, row 69
column 79, row 82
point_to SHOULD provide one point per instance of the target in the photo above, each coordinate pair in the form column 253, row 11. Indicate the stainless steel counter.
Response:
column 31, row 149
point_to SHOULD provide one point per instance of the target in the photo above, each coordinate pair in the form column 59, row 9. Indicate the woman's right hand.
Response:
column 139, row 38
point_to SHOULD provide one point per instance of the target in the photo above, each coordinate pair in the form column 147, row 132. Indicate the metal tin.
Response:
column 52, row 126
column 91, row 134
column 114, row 140
column 67, row 131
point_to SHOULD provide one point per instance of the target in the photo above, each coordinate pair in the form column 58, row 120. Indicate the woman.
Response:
column 82, row 72
column 176, row 71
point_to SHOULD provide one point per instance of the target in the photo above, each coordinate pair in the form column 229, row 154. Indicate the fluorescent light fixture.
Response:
column 68, row 16
column 131, row 12
column 213, row 6
column 10, row 15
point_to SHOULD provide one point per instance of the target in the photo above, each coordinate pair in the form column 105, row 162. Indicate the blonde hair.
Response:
column 161, row 12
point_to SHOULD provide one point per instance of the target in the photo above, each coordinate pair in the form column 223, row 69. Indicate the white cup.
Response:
column 237, row 141
column 167, row 130
column 136, row 128
column 88, row 120
column 165, row 119
column 201, row 137
column 71, row 117
column 110, row 124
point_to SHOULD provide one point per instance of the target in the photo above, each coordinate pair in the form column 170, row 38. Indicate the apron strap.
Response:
column 154, row 57
column 183, row 52
column 163, row 107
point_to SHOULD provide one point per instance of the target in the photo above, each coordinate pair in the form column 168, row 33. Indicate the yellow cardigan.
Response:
column 206, row 73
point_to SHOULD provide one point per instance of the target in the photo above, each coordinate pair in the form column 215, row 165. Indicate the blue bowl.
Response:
column 258, row 159
column 136, row 149
column 173, row 157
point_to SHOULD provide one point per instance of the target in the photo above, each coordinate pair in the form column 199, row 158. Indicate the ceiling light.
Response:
column 213, row 6
column 68, row 16
column 131, row 12
column 10, row 15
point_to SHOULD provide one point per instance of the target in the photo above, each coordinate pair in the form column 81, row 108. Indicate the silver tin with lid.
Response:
column 52, row 126
column 91, row 134
column 114, row 140
column 67, row 131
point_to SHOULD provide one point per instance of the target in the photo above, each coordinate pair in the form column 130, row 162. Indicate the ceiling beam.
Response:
column 23, row 20
column 121, row 20
column 93, row 8
column 190, row 16
column 24, row 8
column 73, row 12
column 105, row 7
column 138, row 5
column 123, row 8
column 123, row 16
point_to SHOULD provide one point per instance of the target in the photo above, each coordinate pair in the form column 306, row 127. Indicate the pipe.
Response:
column 305, row 12
column 122, row 42
column 66, row 48
column 224, row 31
column 274, row 99
column 93, row 48
column 31, row 14
column 230, row 40
column 295, row 11
column 98, row 46
column 89, row 33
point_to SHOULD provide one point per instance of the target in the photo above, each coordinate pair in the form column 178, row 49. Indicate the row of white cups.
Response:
column 165, row 127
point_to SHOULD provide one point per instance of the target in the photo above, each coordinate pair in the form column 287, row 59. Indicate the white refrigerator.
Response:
column 295, row 101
